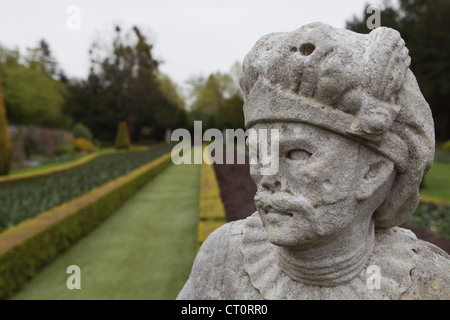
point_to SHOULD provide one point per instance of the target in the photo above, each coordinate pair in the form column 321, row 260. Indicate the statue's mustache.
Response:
column 282, row 202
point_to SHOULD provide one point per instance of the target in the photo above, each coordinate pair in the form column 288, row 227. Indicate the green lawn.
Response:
column 145, row 250
column 437, row 182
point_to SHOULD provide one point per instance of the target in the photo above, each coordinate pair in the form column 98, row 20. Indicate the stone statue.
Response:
column 356, row 137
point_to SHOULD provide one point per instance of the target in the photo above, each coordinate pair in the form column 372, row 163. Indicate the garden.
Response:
column 21, row 199
column 158, row 235
column 86, row 175
column 142, row 251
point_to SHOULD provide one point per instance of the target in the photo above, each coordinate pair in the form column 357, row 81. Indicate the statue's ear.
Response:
column 375, row 172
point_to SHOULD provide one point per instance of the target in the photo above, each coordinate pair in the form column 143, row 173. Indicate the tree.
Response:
column 122, row 84
column 231, row 112
column 42, row 60
column 45, row 55
column 217, row 100
column 209, row 93
column 5, row 145
column 122, row 137
column 424, row 25
column 171, row 91
column 81, row 131
column 31, row 95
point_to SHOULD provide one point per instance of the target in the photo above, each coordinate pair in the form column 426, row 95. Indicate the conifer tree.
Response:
column 123, row 136
column 5, row 145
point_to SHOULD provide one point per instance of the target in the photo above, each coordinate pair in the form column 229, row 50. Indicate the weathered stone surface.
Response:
column 356, row 137
column 238, row 262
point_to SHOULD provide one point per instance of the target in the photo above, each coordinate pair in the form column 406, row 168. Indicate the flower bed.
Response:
column 432, row 215
column 21, row 199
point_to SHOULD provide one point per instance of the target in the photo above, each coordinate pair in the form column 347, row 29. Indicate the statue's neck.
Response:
column 332, row 263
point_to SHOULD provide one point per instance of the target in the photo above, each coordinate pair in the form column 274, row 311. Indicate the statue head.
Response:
column 356, row 135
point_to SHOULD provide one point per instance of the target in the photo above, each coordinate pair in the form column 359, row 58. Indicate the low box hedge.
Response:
column 211, row 209
column 25, row 248
column 209, row 185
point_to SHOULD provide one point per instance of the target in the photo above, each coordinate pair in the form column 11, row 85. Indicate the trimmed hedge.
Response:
column 83, row 144
column 123, row 136
column 25, row 248
column 211, row 208
column 433, row 200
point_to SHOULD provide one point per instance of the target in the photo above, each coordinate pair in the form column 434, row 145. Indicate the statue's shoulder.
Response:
column 224, row 239
column 222, row 244
column 218, row 270
column 409, row 260
column 431, row 275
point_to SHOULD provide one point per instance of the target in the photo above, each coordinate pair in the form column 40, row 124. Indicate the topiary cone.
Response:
column 5, row 145
column 123, row 136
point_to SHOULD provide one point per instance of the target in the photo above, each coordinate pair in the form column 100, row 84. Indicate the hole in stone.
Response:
column 265, row 187
column 299, row 154
column 307, row 48
column 277, row 186
column 294, row 49
column 289, row 214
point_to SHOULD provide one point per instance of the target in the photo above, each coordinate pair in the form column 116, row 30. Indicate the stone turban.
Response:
column 355, row 85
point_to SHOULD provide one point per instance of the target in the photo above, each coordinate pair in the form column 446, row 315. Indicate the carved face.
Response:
column 312, row 197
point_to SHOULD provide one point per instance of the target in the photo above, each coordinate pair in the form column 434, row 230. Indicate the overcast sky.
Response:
column 192, row 37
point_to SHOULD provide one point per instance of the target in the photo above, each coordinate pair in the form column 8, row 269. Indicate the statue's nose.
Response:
column 273, row 184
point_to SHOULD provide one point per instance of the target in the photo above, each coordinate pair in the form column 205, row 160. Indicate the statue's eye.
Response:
column 299, row 154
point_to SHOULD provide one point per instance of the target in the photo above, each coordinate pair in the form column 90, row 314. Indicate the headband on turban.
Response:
column 358, row 86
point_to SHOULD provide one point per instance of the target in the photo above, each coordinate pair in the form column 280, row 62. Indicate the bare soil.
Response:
column 237, row 190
